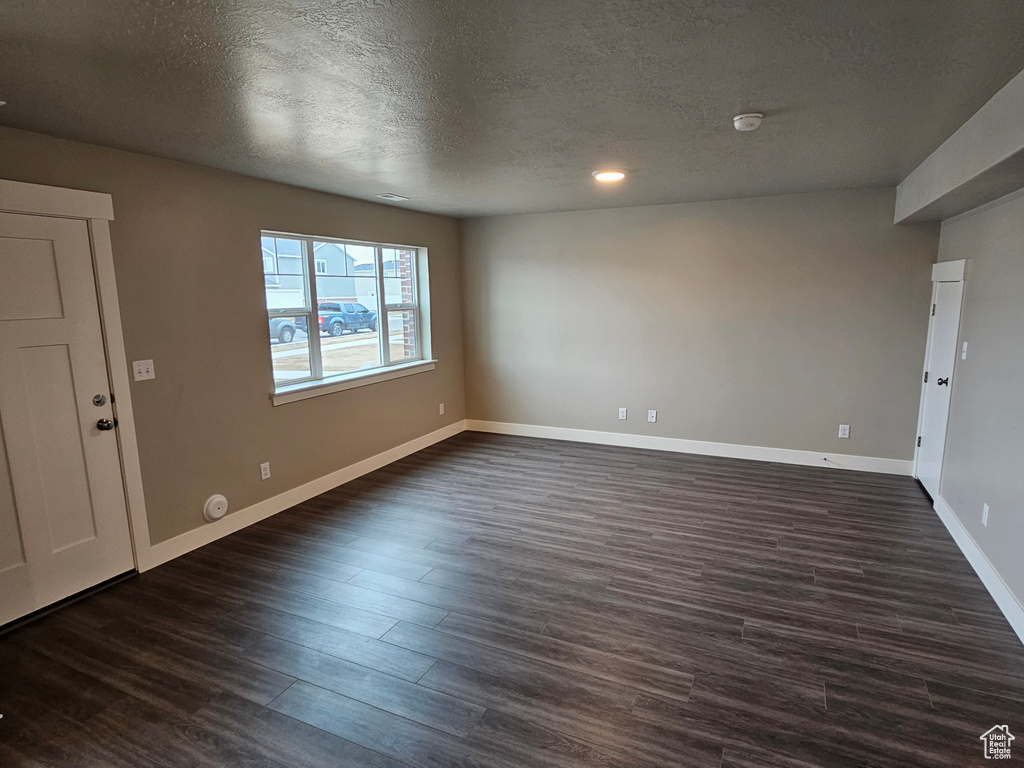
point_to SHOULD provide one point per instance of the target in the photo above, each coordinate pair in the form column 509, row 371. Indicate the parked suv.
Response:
column 283, row 328
column 337, row 317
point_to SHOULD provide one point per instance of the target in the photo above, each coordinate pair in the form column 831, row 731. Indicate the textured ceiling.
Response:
column 496, row 106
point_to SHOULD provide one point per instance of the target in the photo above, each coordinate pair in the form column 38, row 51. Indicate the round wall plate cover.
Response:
column 215, row 507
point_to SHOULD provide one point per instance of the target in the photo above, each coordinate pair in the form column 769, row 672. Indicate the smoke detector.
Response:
column 750, row 121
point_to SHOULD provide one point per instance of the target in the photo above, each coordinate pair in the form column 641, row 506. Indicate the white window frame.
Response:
column 316, row 383
column 318, row 263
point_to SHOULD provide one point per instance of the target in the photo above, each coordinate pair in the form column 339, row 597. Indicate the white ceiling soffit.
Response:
column 981, row 162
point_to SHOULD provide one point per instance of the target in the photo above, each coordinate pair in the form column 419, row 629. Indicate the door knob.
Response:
column 943, row 382
column 105, row 424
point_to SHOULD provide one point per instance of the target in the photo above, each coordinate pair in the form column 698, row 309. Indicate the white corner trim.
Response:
column 678, row 445
column 1005, row 599
column 236, row 521
column 41, row 200
column 121, row 395
column 948, row 271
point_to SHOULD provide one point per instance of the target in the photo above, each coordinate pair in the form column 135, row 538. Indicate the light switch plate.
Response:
column 143, row 370
column 963, row 354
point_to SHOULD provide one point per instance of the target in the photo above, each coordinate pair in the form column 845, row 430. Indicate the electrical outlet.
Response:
column 143, row 370
column 440, row 409
column 963, row 354
column 652, row 416
column 844, row 430
column 622, row 414
column 265, row 470
column 984, row 515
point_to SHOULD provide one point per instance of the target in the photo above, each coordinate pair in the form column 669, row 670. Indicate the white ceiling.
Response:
column 497, row 106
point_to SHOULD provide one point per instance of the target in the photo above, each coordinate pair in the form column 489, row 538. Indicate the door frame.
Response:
column 942, row 272
column 97, row 210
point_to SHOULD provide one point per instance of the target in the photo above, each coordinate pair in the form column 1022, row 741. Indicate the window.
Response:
column 340, row 310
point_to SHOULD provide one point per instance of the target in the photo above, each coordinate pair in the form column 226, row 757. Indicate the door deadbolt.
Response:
column 99, row 401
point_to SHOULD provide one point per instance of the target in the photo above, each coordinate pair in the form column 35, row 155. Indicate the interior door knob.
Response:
column 943, row 382
column 104, row 424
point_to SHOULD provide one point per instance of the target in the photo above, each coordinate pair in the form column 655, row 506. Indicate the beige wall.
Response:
column 762, row 322
column 984, row 460
column 190, row 283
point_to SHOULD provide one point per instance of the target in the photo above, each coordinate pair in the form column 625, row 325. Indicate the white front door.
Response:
column 942, row 341
column 63, row 517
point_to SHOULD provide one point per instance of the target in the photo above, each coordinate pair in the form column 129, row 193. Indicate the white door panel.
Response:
column 63, row 516
column 28, row 269
column 12, row 552
column 942, row 347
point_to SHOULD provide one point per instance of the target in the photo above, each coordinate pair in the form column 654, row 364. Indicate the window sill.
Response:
column 291, row 393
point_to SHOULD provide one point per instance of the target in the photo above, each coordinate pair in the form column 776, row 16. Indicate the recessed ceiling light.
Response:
column 392, row 197
column 607, row 176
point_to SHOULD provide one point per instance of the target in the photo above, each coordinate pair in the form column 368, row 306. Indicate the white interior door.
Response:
column 63, row 517
column 943, row 332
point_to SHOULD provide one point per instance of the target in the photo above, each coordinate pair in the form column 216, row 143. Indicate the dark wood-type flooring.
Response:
column 500, row 601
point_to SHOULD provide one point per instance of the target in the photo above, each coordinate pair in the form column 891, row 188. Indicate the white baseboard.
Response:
column 1005, row 599
column 678, row 445
column 198, row 537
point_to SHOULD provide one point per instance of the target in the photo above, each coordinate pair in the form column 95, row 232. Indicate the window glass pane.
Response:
column 392, row 290
column 350, row 340
column 285, row 291
column 331, row 258
column 390, row 256
column 283, row 269
column 402, row 335
column 334, row 292
column 400, row 276
column 338, row 290
column 289, row 349
column 363, row 259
